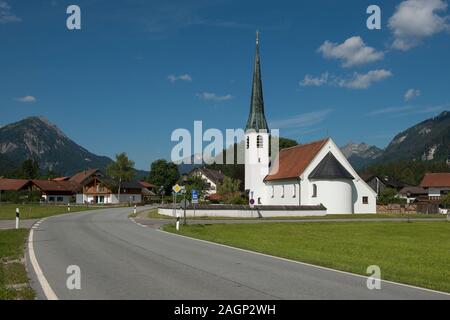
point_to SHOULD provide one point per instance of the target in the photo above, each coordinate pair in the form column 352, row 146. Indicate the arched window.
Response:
column 259, row 142
column 294, row 191
column 282, row 191
column 314, row 195
column 248, row 142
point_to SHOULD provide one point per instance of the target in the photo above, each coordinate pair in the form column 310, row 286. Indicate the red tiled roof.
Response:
column 293, row 161
column 13, row 184
column 82, row 175
column 147, row 185
column 436, row 180
column 60, row 186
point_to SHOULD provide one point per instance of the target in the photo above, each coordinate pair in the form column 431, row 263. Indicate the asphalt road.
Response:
column 120, row 259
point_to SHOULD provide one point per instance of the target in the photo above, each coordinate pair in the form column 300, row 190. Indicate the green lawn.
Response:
column 13, row 276
column 8, row 211
column 416, row 253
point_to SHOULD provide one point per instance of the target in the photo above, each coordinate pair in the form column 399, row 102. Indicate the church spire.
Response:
column 257, row 119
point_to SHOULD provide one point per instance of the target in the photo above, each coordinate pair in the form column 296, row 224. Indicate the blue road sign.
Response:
column 194, row 196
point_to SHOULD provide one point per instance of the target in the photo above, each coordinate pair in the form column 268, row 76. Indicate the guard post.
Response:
column 17, row 217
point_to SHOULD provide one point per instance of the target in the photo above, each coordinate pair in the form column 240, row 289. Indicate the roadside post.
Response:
column 17, row 217
column 194, row 198
column 134, row 211
column 252, row 205
column 178, row 223
column 68, row 207
column 175, row 190
column 185, row 203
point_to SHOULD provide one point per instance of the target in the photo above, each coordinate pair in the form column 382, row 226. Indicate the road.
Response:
column 120, row 259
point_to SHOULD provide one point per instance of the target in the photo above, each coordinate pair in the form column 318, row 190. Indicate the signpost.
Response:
column 194, row 198
column 252, row 205
column 17, row 217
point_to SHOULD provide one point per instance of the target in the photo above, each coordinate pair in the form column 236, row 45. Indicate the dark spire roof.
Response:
column 257, row 119
column 330, row 168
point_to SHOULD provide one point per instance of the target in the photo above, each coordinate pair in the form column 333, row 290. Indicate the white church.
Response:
column 315, row 173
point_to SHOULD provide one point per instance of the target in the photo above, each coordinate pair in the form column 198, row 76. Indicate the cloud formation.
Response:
column 352, row 52
column 209, row 96
column 411, row 93
column 310, row 80
column 26, row 99
column 302, row 120
column 6, row 15
column 364, row 80
column 184, row 77
column 415, row 20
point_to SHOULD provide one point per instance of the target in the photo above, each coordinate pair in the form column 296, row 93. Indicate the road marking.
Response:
column 49, row 293
column 303, row 263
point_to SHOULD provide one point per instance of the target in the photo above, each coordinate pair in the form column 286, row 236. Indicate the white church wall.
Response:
column 359, row 190
column 286, row 192
column 335, row 195
column 237, row 213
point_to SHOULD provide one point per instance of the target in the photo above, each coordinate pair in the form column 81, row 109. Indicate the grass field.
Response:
column 416, row 253
column 13, row 276
column 8, row 211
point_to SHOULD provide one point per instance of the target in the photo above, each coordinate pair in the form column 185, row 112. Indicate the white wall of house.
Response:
column 213, row 186
column 56, row 198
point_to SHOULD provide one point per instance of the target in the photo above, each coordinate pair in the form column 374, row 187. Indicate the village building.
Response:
column 60, row 192
column 311, row 174
column 437, row 185
column 412, row 194
column 211, row 177
column 380, row 183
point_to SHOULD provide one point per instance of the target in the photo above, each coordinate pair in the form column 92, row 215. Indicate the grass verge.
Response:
column 13, row 276
column 8, row 211
column 416, row 253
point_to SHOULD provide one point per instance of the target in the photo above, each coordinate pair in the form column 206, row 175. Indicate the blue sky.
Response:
column 138, row 69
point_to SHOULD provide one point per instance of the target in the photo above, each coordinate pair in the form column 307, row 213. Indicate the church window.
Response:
column 282, row 191
column 259, row 142
column 294, row 193
column 259, row 200
column 314, row 195
column 273, row 191
column 365, row 200
column 248, row 142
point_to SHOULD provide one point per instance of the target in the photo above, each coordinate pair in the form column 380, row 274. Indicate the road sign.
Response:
column 252, row 203
column 176, row 188
column 194, row 196
column 184, row 204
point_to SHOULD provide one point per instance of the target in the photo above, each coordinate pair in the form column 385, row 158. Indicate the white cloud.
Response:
column 352, row 52
column 411, row 93
column 184, row 77
column 415, row 20
column 314, row 81
column 302, row 120
column 363, row 80
column 6, row 15
column 408, row 110
column 26, row 99
column 209, row 96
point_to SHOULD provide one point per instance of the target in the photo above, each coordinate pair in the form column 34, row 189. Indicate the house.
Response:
column 379, row 183
column 211, row 177
column 311, row 174
column 436, row 184
column 13, row 185
column 61, row 192
column 412, row 194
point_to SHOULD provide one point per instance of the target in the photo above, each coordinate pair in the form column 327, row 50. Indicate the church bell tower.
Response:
column 256, row 138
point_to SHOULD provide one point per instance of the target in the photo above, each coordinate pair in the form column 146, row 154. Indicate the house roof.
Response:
column 13, row 184
column 215, row 176
column 131, row 185
column 61, row 179
column 81, row 176
column 436, row 180
column 147, row 185
column 294, row 160
column 55, row 186
column 330, row 168
column 386, row 180
column 412, row 190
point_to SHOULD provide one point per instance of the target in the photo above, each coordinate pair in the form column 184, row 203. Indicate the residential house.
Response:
column 379, row 183
column 412, row 193
column 436, row 184
column 211, row 177
column 60, row 192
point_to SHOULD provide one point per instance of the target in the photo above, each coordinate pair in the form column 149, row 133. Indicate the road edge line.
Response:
column 304, row 263
column 48, row 292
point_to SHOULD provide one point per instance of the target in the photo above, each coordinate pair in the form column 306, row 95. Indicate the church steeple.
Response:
column 257, row 119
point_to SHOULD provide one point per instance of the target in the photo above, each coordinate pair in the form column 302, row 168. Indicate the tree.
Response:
column 29, row 169
column 388, row 196
column 194, row 182
column 121, row 170
column 163, row 173
column 229, row 190
column 445, row 201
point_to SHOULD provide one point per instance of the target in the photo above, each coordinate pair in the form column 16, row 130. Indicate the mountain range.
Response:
column 37, row 138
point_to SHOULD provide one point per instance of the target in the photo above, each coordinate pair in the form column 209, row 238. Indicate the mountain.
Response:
column 426, row 141
column 41, row 140
column 361, row 154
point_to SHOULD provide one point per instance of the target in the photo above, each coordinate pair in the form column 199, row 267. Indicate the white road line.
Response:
column 49, row 293
column 303, row 263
